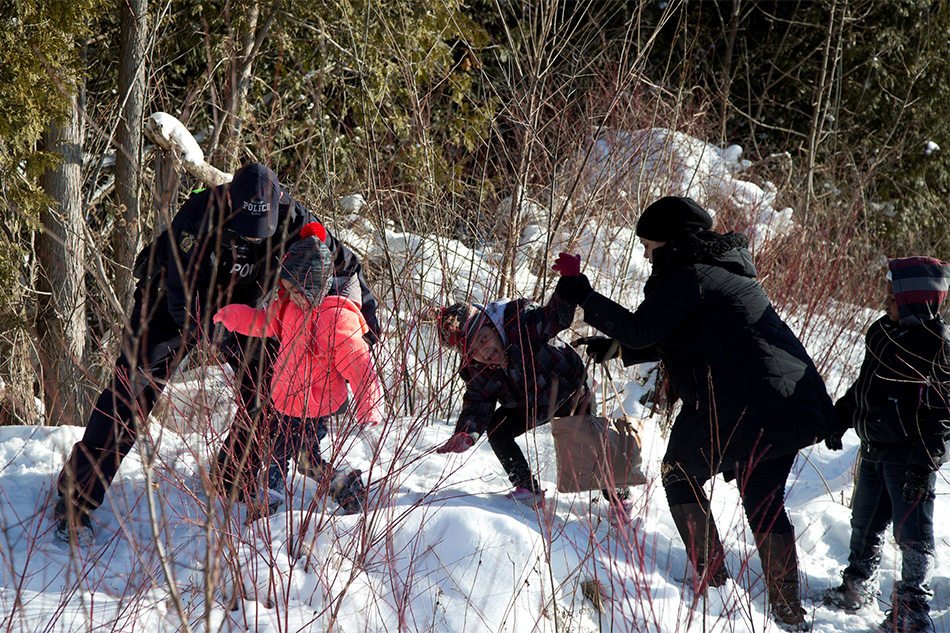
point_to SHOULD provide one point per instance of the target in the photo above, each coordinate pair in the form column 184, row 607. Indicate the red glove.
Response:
column 458, row 443
column 226, row 316
column 568, row 265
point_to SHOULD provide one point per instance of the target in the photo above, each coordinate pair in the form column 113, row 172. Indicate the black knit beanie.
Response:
column 308, row 265
column 671, row 218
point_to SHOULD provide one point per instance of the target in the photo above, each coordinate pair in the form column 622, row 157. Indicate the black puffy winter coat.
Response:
column 748, row 387
column 898, row 406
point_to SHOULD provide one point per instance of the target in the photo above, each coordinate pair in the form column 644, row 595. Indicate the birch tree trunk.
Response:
column 133, row 27
column 61, row 295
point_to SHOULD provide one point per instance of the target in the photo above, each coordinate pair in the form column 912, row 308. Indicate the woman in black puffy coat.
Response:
column 751, row 396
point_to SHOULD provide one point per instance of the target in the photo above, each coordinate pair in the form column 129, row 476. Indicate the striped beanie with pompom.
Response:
column 308, row 264
column 920, row 286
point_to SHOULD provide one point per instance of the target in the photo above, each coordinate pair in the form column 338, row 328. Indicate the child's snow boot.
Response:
column 851, row 595
column 529, row 493
column 347, row 489
column 276, row 478
column 73, row 525
column 619, row 508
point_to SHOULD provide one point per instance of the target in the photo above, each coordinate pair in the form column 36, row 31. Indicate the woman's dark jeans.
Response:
column 761, row 487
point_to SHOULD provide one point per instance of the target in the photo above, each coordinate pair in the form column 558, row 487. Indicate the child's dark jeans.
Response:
column 878, row 502
column 289, row 437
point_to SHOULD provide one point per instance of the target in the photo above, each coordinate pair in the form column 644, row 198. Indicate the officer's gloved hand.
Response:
column 599, row 348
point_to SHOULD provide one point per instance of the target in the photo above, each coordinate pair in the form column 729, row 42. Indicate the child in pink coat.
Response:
column 322, row 351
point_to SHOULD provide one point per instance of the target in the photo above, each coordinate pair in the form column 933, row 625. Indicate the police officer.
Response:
column 224, row 246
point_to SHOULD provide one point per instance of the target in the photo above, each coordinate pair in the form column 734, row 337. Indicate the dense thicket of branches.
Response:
column 435, row 110
column 857, row 89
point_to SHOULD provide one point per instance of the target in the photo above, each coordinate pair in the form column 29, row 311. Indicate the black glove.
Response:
column 833, row 442
column 575, row 288
column 599, row 348
column 915, row 484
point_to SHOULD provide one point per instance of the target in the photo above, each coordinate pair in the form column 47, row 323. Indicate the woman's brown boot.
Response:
column 780, row 566
column 703, row 547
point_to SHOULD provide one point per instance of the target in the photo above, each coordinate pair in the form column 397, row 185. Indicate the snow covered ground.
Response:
column 440, row 548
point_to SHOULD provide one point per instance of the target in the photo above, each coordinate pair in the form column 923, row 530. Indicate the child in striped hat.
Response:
column 899, row 409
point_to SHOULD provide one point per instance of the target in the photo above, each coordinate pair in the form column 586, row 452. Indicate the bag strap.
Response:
column 578, row 393
column 610, row 379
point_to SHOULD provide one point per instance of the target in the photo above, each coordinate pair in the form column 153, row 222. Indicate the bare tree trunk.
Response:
column 61, row 295
column 226, row 143
column 239, row 83
column 165, row 188
column 128, row 168
column 817, row 120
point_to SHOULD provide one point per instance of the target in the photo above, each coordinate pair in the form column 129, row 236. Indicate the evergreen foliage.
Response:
column 40, row 65
column 346, row 92
column 885, row 95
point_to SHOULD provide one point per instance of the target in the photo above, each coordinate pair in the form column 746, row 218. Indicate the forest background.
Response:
column 445, row 117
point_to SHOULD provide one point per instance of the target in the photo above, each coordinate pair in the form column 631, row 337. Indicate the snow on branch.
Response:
column 171, row 134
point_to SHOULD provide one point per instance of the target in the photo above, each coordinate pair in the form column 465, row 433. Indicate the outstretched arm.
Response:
column 248, row 321
column 667, row 307
column 548, row 320
column 664, row 310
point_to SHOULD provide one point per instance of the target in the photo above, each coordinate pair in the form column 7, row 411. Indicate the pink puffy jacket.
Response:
column 321, row 350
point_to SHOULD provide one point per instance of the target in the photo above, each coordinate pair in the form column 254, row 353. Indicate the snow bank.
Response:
column 643, row 165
